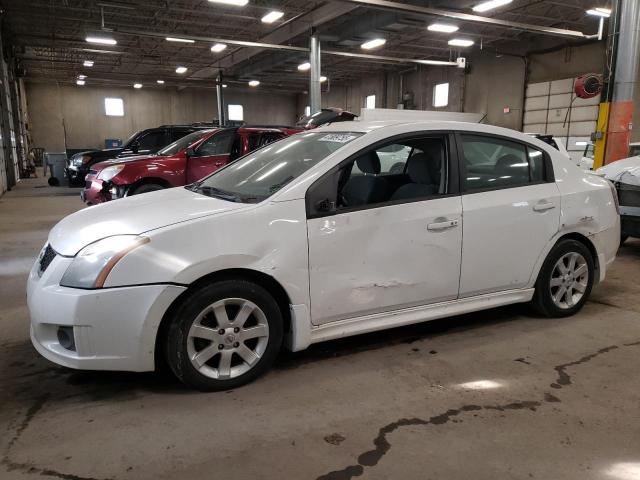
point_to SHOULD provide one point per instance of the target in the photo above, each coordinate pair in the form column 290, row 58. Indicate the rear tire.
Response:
column 224, row 335
column 146, row 187
column 565, row 280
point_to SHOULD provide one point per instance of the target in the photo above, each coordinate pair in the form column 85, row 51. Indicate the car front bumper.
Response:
column 112, row 328
column 630, row 219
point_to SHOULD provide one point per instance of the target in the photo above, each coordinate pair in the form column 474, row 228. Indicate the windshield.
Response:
column 130, row 140
column 263, row 172
column 182, row 143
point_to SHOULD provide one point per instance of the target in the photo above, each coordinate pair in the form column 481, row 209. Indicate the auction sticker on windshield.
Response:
column 337, row 137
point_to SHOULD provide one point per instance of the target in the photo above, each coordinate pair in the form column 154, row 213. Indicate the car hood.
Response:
column 109, row 152
column 623, row 171
column 123, row 160
column 134, row 215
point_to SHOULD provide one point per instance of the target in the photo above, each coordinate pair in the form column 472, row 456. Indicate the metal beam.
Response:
column 465, row 17
column 314, row 74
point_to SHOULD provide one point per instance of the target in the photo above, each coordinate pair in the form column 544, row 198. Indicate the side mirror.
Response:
column 135, row 146
column 190, row 153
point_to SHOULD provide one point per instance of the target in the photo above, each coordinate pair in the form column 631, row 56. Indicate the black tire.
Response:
column 543, row 301
column 177, row 339
column 146, row 187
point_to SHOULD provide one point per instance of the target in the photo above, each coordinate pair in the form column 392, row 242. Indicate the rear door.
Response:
column 211, row 155
column 511, row 209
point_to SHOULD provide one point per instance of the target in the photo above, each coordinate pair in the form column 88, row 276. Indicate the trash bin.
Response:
column 56, row 163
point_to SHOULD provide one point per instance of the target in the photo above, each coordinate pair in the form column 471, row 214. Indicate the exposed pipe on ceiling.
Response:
column 466, row 17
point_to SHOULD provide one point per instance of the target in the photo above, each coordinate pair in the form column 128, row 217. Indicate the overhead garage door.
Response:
column 552, row 108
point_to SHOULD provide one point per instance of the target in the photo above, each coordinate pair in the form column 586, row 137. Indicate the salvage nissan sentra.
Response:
column 314, row 238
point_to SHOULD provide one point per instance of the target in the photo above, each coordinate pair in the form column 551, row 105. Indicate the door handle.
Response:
column 543, row 206
column 436, row 226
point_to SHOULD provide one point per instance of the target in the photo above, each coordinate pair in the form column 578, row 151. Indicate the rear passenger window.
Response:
column 496, row 163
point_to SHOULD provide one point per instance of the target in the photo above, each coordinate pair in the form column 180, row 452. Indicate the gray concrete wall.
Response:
column 567, row 62
column 494, row 83
column 79, row 111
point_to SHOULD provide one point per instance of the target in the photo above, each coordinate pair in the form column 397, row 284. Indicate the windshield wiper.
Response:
column 216, row 192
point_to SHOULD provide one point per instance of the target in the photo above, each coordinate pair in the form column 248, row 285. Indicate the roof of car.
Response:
column 365, row 127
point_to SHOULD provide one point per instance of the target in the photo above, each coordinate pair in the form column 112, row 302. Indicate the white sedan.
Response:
column 314, row 238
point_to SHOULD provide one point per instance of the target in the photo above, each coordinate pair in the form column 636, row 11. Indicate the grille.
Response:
column 628, row 195
column 47, row 257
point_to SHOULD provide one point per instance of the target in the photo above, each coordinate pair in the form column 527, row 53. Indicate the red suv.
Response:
column 184, row 161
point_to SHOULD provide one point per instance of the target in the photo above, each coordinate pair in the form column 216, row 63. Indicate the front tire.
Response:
column 224, row 335
column 565, row 280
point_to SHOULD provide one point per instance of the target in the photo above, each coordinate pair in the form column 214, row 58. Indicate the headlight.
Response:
column 110, row 172
column 77, row 161
column 91, row 266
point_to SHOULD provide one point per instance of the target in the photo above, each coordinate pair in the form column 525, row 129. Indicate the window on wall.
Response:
column 307, row 111
column 441, row 95
column 114, row 107
column 236, row 112
column 370, row 102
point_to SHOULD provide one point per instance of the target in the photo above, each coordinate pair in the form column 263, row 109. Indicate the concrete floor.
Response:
column 552, row 399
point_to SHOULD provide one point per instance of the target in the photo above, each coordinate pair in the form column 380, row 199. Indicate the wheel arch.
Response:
column 578, row 237
column 260, row 278
column 147, row 181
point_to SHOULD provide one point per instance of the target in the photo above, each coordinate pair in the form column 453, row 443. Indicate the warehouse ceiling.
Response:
column 48, row 38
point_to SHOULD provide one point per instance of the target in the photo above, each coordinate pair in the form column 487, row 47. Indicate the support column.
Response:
column 221, row 119
column 314, row 75
column 626, row 72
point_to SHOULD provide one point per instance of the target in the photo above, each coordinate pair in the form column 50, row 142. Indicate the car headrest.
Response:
column 418, row 169
column 369, row 163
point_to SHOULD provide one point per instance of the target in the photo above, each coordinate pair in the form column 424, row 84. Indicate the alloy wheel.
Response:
column 569, row 280
column 227, row 338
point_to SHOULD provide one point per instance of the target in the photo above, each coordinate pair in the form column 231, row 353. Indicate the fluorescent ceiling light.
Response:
column 376, row 42
column 81, row 77
column 80, row 82
column 600, row 12
column 490, row 5
column 181, row 69
column 237, row 3
column 88, row 63
column 254, row 83
column 137, row 85
column 224, row 85
column 272, row 16
column 160, row 81
column 323, row 79
column 460, row 42
column 443, row 27
column 181, row 40
column 218, row 47
column 303, row 67
column 101, row 40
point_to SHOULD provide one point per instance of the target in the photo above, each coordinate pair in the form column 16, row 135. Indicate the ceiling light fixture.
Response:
column 88, row 63
column 303, row 67
column 600, row 12
column 235, row 3
column 181, row 40
column 81, row 77
column 254, row 83
column 224, row 85
column 323, row 79
column 460, row 42
column 490, row 5
column 218, row 47
column 181, row 69
column 101, row 40
column 375, row 43
column 272, row 16
column 443, row 27
column 80, row 82
column 161, row 82
column 137, row 85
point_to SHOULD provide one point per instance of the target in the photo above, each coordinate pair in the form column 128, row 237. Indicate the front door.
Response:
column 210, row 155
column 394, row 240
column 511, row 210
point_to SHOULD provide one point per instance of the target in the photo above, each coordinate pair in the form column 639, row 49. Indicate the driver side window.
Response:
column 218, row 144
